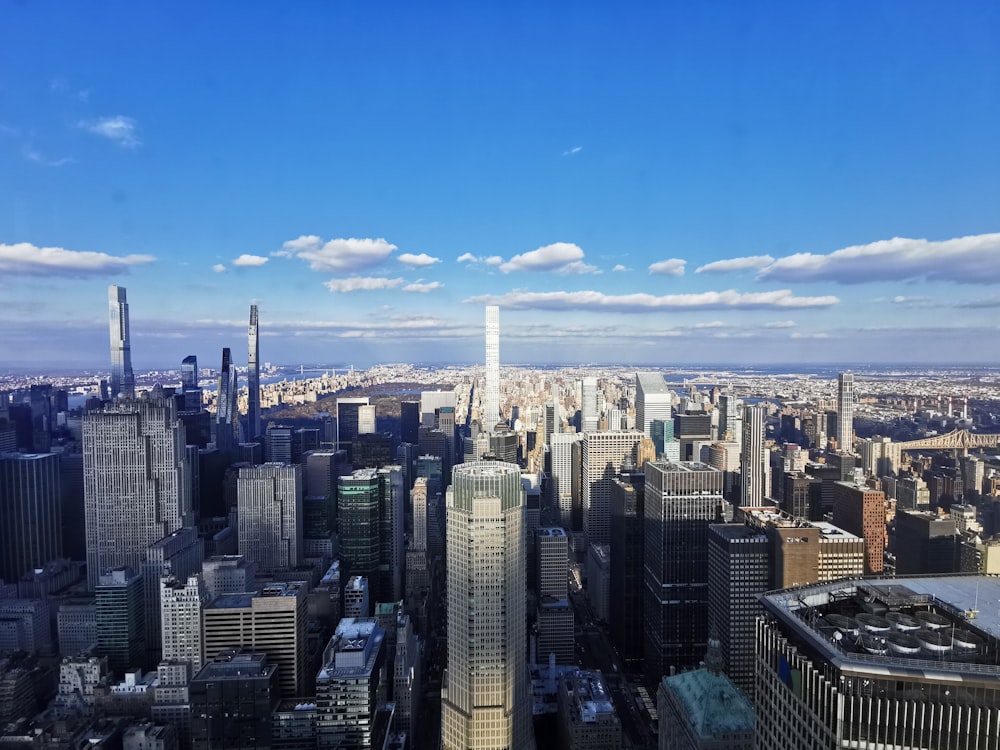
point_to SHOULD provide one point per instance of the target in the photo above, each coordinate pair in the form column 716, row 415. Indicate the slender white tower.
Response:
column 253, row 378
column 755, row 479
column 845, row 412
column 491, row 408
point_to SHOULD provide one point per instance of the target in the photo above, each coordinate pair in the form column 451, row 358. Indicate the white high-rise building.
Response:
column 755, row 470
column 418, row 498
column 269, row 501
column 845, row 412
column 137, row 484
column 603, row 455
column 181, row 605
column 491, row 400
column 486, row 694
column 653, row 400
column 122, row 378
column 562, row 480
column 589, row 415
column 253, row 377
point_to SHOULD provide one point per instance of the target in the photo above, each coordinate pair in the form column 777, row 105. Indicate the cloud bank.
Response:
column 635, row 303
column 27, row 259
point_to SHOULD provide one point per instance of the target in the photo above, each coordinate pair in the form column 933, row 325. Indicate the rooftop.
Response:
column 712, row 703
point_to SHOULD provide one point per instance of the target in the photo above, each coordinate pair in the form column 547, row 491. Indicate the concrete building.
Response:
column 755, row 469
column 604, row 455
column 565, row 475
column 861, row 511
column 137, row 481
column 845, row 412
column 272, row 621
column 913, row 665
column 485, row 696
column 181, row 606
column 270, row 515
column 357, row 599
column 589, row 413
column 180, row 555
column 555, row 614
column 232, row 698
column 76, row 626
column 586, row 714
column 229, row 574
column 653, row 400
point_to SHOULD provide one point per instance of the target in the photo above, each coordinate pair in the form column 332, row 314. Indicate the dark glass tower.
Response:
column 226, row 410
column 122, row 378
column 253, row 378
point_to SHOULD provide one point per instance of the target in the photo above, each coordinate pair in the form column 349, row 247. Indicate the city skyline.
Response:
column 684, row 184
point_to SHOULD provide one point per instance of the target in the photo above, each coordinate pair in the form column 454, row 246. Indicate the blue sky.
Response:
column 655, row 183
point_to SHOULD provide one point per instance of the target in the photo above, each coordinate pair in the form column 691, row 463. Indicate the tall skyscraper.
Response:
column 120, row 621
column 485, row 696
column 589, row 416
column 270, row 515
column 491, row 400
column 226, row 410
column 137, row 481
column 755, row 471
column 565, row 475
column 627, row 519
column 253, row 378
column 845, row 412
column 189, row 383
column 653, row 400
column 555, row 612
column 681, row 500
column 181, row 605
column 122, row 379
column 30, row 496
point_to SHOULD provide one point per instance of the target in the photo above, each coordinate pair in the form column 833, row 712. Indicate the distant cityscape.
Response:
column 242, row 554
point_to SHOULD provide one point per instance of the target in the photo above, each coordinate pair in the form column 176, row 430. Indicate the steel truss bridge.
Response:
column 957, row 440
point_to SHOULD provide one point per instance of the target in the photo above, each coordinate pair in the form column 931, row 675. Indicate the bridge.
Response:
column 955, row 440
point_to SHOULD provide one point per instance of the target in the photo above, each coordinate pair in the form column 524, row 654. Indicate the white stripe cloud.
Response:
column 25, row 258
column 595, row 301
column 119, row 129
column 250, row 260
column 361, row 284
column 422, row 287
column 423, row 259
column 736, row 264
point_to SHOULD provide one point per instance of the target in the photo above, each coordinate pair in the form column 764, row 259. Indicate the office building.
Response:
column 627, row 519
column 604, row 455
column 25, row 625
column 845, row 412
column 232, row 698
column 755, row 468
column 392, row 540
column 653, row 400
column 122, row 378
column 227, row 413
column 349, row 421
column 406, row 676
column 181, row 605
column 148, row 736
column 597, row 573
column 589, row 414
column 359, row 497
column 351, row 686
column 272, row 621
column 190, row 391
column 30, row 506
column 586, row 713
column 76, row 627
column 900, row 662
column 137, row 481
column 555, row 612
column 121, row 627
column 357, row 597
column 228, row 574
column 409, row 421
column 485, row 695
column 681, row 501
column 861, row 511
column 270, row 515
column 926, row 543
column 179, row 554
column 730, row 417
column 253, row 377
column 491, row 399
column 739, row 570
column 701, row 709
column 431, row 402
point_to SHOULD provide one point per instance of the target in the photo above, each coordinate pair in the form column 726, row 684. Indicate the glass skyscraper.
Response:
column 122, row 379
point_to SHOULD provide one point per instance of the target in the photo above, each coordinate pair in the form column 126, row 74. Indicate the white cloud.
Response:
column 219, row 268
column 120, row 129
column 781, row 324
column 422, row 287
column 25, row 258
column 710, row 324
column 573, row 151
column 561, row 257
column 736, row 264
column 819, row 335
column 467, row 258
column 338, row 255
column 965, row 260
column 34, row 156
column 362, row 283
column 493, row 260
column 619, row 268
column 250, row 260
column 631, row 303
column 423, row 259
column 671, row 267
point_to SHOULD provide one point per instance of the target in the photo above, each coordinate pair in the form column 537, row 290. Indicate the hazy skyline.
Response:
column 670, row 183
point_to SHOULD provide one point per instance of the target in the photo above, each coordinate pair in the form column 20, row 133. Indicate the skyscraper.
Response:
column 589, row 416
column 181, row 605
column 653, row 400
column 845, row 412
column 755, row 471
column 564, row 477
column 604, row 454
column 485, row 696
column 122, row 379
column 681, row 500
column 491, row 400
column 253, row 378
column 226, row 409
column 30, row 494
column 189, row 383
column 137, row 481
column 270, row 515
